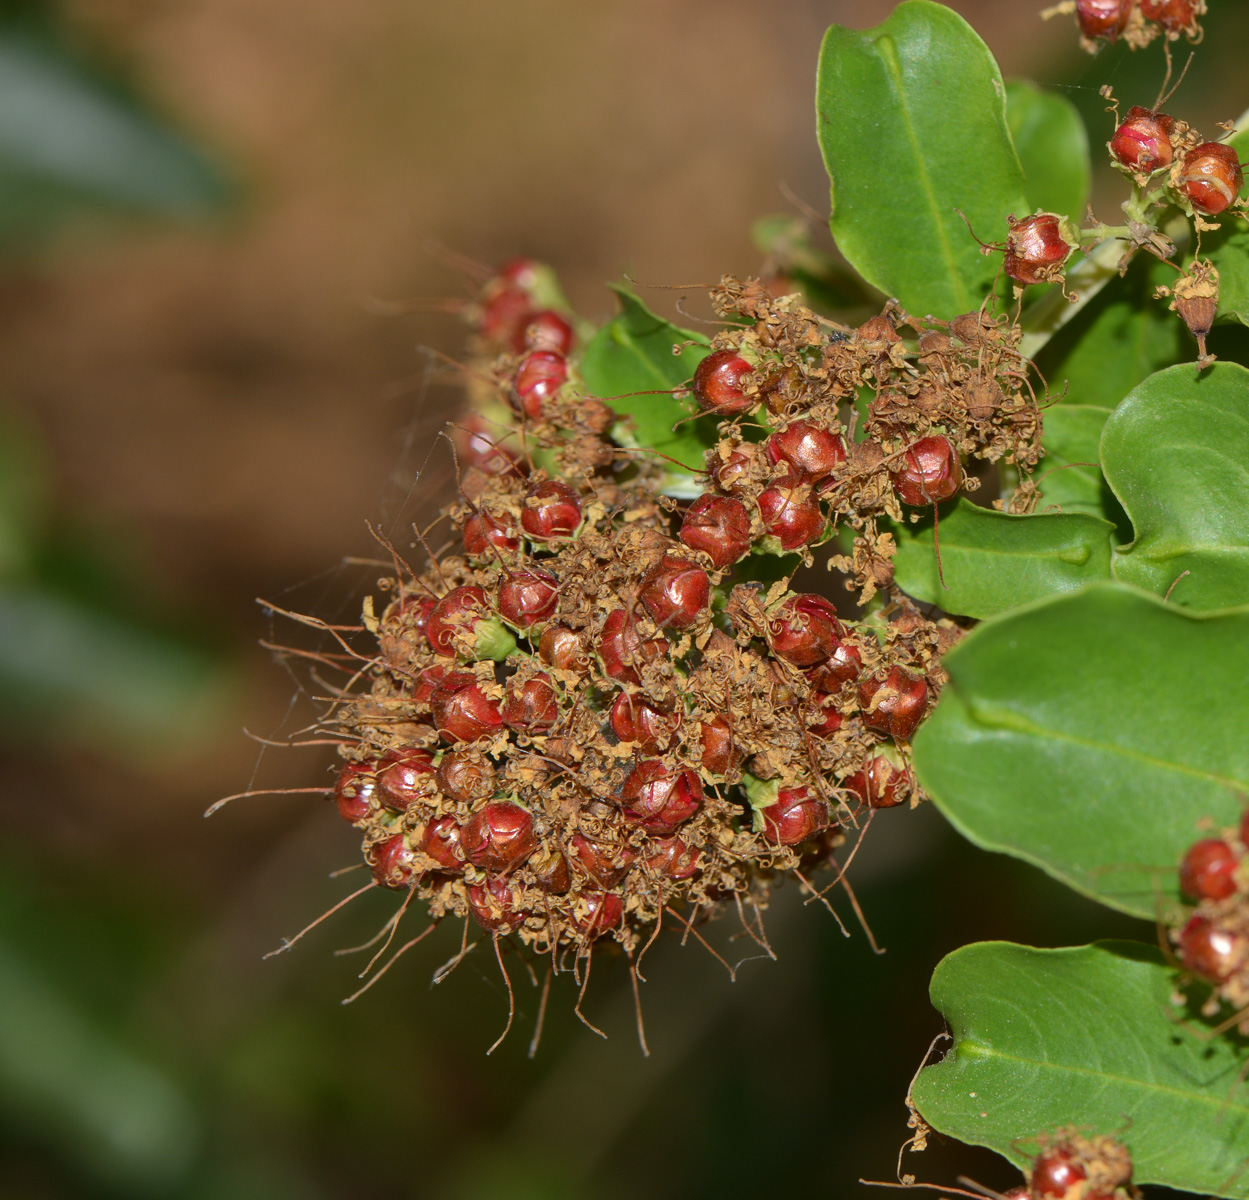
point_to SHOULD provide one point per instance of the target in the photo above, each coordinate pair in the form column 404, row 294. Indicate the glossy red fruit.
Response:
column 843, row 665
column 1037, row 247
column 527, row 597
column 355, row 791
column 1142, row 142
column 1244, row 829
column 718, row 383
column 598, row 913
column 520, row 273
column 719, row 755
column 719, row 526
column 546, row 330
column 1172, row 15
column 394, row 864
column 550, row 871
column 1103, row 18
column 599, row 863
column 673, row 859
column 808, row 451
column 623, row 650
column 503, row 315
column 455, row 615
column 895, row 705
column 531, row 706
column 659, row 797
column 796, row 815
column 563, row 649
column 496, row 906
column 462, row 711
column 1211, row 177
column 489, row 448
column 634, row 719
column 731, row 474
column 791, row 515
column 405, row 778
column 823, row 717
column 551, row 510
column 881, row 783
column 804, row 630
column 929, row 472
column 466, row 777
column 1016, row 1193
column 1209, row 951
column 1054, row 1174
column 499, row 837
column 675, row 593
column 427, row 683
column 441, row 841
column 484, row 530
column 540, row 375
column 1208, row 871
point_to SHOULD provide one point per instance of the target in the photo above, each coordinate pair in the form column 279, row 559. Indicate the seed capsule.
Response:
column 546, row 330
column 673, row 858
column 719, row 526
column 623, row 650
column 496, row 906
column 896, row 705
column 603, row 865
column 930, row 472
column 499, row 837
column 483, row 530
column 1055, row 1175
column 635, row 719
column 881, row 782
column 791, row 515
column 1103, row 18
column 355, row 791
column 796, row 815
column 1208, row 871
column 1038, row 246
column 462, row 711
column 597, row 913
column 1209, row 951
column 455, row 615
column 1142, row 143
column 532, row 706
column 805, row 630
column 718, row 383
column 660, row 798
column 808, row 452
column 441, row 841
column 675, row 593
column 465, row 776
column 1174, row 16
column 405, row 778
column 552, row 510
column 538, row 378
column 394, row 864
column 1211, row 177
column 527, row 597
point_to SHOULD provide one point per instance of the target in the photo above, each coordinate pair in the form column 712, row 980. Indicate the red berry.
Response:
column 598, row 912
column 843, row 665
column 1209, row 951
column 1244, row 829
column 485, row 447
column 1211, row 177
column 718, row 383
column 673, row 858
column 466, row 777
column 550, row 871
column 394, row 864
column 527, row 597
column 796, row 815
column 823, row 716
column 405, row 778
column 355, row 792
column 551, row 510
column 1142, row 142
column 483, row 530
column 499, row 837
column 634, row 719
column 660, row 798
column 791, row 515
column 896, row 705
column 732, row 473
column 881, row 783
column 496, row 907
column 1055, row 1174
column 503, row 315
column 532, row 706
column 462, row 711
column 427, row 683
column 623, row 650
column 546, row 330
column 455, row 615
column 1208, row 871
column 930, row 472
column 563, row 649
column 1103, row 18
column 719, row 526
column 540, row 375
column 804, row 630
column 1172, row 15
column 599, row 863
column 1037, row 247
column 808, row 451
column 716, row 738
column 676, row 592
column 1016, row 1193
column 520, row 273
column 441, row 841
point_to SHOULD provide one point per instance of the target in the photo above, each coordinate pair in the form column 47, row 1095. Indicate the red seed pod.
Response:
column 484, row 529
column 520, row 273
column 455, row 614
column 503, row 315
column 635, row 719
column 466, row 777
column 394, row 864
column 1209, row 951
column 499, row 837
column 1142, row 143
column 551, row 510
column 1173, row 15
column 796, row 815
column 672, row 858
column 540, row 375
column 1055, row 1174
column 804, row 630
column 487, row 448
column 881, row 782
column 623, row 650
column 527, row 597
column 405, row 778
column 660, row 798
column 563, row 649
column 355, row 791
column 496, row 906
column 427, row 683
column 791, row 515
column 532, row 706
column 843, row 665
column 462, row 711
column 599, row 863
column 808, row 451
column 718, row 383
column 547, row 330
column 1103, row 18
column 731, row 474
column 1208, row 871
column 1211, row 177
column 598, row 913
column 718, row 753
column 1038, row 246
column 550, row 871
column 1016, row 1193
column 676, row 592
column 930, row 472
column 896, row 705
column 1244, row 829
column 823, row 716
column 719, row 526
column 441, row 841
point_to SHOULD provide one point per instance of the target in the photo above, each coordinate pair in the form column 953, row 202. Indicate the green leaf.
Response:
column 826, row 282
column 912, row 126
column 1228, row 249
column 1089, row 734
column 1053, row 147
column 1085, row 1036
column 1069, row 475
column 993, row 561
column 630, row 364
column 1176, row 453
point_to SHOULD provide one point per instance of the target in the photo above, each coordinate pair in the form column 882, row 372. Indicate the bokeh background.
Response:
column 218, row 219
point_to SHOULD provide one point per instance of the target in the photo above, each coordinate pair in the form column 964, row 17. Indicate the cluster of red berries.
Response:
column 1070, row 1166
column 1137, row 22
column 1214, row 942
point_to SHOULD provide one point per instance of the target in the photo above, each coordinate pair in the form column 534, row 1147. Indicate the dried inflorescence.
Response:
column 1136, row 22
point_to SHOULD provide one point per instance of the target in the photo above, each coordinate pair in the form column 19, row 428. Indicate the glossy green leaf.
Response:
column 993, row 561
column 1085, row 1036
column 1228, row 249
column 630, row 364
column 912, row 126
column 1089, row 734
column 1176, row 453
column 1069, row 475
column 1053, row 147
